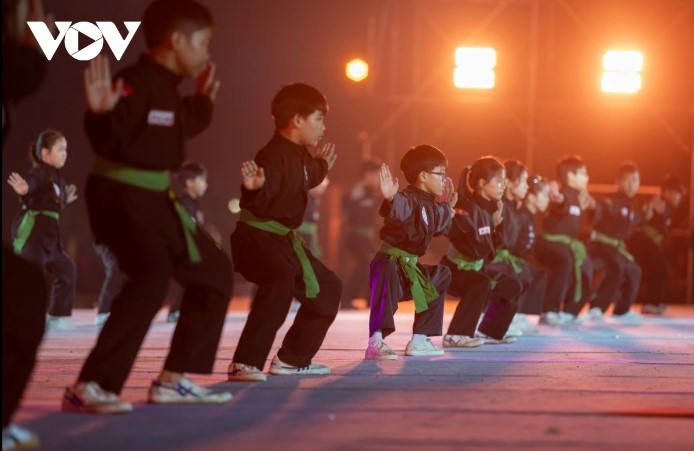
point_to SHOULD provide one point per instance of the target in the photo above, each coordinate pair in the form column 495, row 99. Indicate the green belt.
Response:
column 578, row 249
column 463, row 262
column 423, row 291
column 505, row 256
column 158, row 181
column 614, row 242
column 652, row 233
column 27, row 225
column 311, row 229
column 312, row 287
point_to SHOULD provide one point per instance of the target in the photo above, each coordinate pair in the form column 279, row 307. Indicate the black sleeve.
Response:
column 317, row 170
column 196, row 114
column 262, row 196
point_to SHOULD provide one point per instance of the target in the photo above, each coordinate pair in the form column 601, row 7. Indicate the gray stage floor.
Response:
column 602, row 386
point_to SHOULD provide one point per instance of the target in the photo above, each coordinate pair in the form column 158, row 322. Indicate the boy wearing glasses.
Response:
column 411, row 219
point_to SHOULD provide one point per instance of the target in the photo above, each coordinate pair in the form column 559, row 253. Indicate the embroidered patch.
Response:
column 624, row 211
column 574, row 210
column 160, row 118
column 425, row 218
column 486, row 230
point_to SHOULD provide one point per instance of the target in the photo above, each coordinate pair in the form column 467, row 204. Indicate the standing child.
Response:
column 411, row 219
column 36, row 232
column 138, row 127
column 267, row 250
column 646, row 244
column 473, row 234
column 614, row 220
column 561, row 249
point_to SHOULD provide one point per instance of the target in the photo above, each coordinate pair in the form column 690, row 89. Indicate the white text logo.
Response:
column 98, row 33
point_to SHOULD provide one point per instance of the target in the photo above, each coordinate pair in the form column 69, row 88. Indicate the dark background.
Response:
column 547, row 100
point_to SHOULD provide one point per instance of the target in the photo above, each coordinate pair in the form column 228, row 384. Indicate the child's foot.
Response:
column 59, row 323
column 379, row 350
column 461, row 341
column 495, row 341
column 279, row 368
column 628, row 318
column 594, row 315
column 15, row 437
column 422, row 348
column 245, row 373
column 89, row 397
column 185, row 392
column 172, row 317
column 652, row 309
column 101, row 318
column 550, row 319
column 569, row 318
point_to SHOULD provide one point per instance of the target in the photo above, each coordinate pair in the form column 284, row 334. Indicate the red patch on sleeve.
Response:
column 127, row 90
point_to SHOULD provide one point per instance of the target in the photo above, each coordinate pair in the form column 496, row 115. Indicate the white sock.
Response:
column 419, row 338
column 377, row 337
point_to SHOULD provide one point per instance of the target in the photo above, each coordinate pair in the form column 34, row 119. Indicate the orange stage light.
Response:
column 622, row 71
column 357, row 70
column 474, row 68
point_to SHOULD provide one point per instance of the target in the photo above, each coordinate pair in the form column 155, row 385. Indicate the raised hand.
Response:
column 206, row 83
column 554, row 194
column 389, row 184
column 498, row 215
column 586, row 201
column 18, row 184
column 70, row 194
column 658, row 205
column 450, row 196
column 101, row 93
column 328, row 154
column 252, row 176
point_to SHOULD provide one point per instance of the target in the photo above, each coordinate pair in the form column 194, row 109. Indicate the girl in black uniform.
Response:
column 473, row 241
column 36, row 233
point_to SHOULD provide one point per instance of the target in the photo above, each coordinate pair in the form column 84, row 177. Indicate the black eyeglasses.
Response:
column 440, row 174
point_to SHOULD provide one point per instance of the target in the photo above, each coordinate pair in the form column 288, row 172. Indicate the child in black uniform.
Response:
column 138, row 127
column 646, row 244
column 473, row 236
column 561, row 249
column 308, row 230
column 36, row 233
column 267, row 251
column 614, row 220
column 411, row 219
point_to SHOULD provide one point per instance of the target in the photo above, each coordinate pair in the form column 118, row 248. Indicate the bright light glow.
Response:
column 473, row 78
column 357, row 70
column 621, row 82
column 475, row 57
column 623, row 61
column 474, row 68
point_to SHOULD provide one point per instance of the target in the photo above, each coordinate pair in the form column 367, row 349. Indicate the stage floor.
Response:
column 590, row 387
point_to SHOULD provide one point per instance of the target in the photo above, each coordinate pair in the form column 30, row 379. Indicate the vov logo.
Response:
column 70, row 32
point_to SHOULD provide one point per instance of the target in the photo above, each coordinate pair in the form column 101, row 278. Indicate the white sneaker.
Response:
column 514, row 331
column 279, row 368
column 89, row 397
column 568, row 318
column 59, row 323
column 550, row 319
column 427, row 348
column 630, row 317
column 185, row 392
column 493, row 341
column 524, row 324
column 101, row 318
column 379, row 351
column 461, row 341
column 15, row 437
column 594, row 315
column 242, row 372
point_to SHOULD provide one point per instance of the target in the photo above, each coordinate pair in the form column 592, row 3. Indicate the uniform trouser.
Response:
column 113, row 279
column 24, row 302
column 43, row 248
column 389, row 286
column 362, row 250
column 269, row 261
column 144, row 233
column 654, row 266
column 559, row 260
column 620, row 277
column 494, row 293
column 533, row 282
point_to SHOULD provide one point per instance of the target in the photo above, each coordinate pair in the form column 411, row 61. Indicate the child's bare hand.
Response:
column 554, row 194
column 328, row 154
column 586, row 201
column 70, row 194
column 101, row 93
column 252, row 176
column 206, row 83
column 450, row 196
column 18, row 184
column 658, row 205
column 498, row 215
column 389, row 184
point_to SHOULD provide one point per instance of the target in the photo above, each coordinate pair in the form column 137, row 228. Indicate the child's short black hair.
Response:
column 514, row 169
column 297, row 98
column 671, row 183
column 45, row 139
column 163, row 17
column 626, row 167
column 567, row 164
column 421, row 158
column 536, row 183
column 190, row 170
